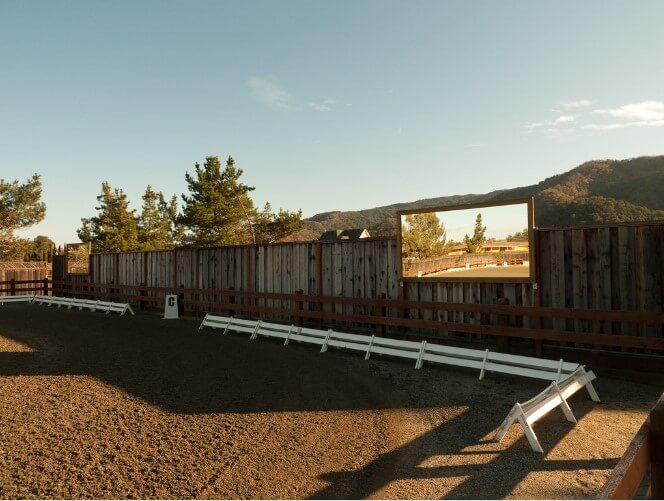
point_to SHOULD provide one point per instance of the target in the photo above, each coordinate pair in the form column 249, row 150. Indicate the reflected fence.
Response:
column 424, row 267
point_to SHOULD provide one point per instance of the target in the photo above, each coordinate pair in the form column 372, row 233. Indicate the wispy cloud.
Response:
column 642, row 114
column 622, row 125
column 646, row 111
column 322, row 106
column 536, row 125
column 563, row 119
column 265, row 91
column 581, row 103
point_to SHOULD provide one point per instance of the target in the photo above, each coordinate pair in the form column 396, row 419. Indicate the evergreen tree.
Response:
column 271, row 227
column 115, row 226
column 157, row 227
column 219, row 210
column 218, row 207
column 42, row 249
column 20, row 207
column 519, row 236
column 474, row 244
column 423, row 236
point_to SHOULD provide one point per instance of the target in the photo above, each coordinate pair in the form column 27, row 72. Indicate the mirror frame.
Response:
column 531, row 278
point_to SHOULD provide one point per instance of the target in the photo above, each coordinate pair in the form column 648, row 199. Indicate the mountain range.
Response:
column 595, row 192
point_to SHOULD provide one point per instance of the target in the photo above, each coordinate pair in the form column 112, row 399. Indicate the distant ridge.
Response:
column 596, row 192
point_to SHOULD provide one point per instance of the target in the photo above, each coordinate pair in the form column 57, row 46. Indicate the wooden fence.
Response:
column 377, row 313
column 604, row 268
column 644, row 455
column 28, row 270
column 607, row 268
column 25, row 287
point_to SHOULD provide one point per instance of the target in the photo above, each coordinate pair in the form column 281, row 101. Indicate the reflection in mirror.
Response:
column 77, row 258
column 484, row 242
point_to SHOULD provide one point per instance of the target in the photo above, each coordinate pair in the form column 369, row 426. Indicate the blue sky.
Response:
column 326, row 105
column 499, row 221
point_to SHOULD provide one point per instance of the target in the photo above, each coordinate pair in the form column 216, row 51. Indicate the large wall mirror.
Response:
column 78, row 256
column 481, row 242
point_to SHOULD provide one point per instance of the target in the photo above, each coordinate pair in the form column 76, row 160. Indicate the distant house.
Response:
column 342, row 235
column 495, row 246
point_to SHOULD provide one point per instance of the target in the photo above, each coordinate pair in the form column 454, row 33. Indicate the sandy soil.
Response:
column 486, row 271
column 96, row 406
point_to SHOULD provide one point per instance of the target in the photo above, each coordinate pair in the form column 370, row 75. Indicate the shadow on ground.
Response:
column 494, row 479
column 171, row 365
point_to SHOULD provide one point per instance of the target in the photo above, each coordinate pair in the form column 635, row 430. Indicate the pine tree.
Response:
column 157, row 227
column 41, row 249
column 271, row 227
column 474, row 244
column 518, row 236
column 20, row 207
column 423, row 236
column 219, row 210
column 115, row 227
column 218, row 207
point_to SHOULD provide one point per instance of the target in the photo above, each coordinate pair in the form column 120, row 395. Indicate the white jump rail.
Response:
column 566, row 377
column 38, row 299
column 484, row 361
column 15, row 299
column 555, row 395
column 87, row 304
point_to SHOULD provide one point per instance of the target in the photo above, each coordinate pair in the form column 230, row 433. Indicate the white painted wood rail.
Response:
column 15, row 299
column 84, row 304
column 555, row 395
column 482, row 360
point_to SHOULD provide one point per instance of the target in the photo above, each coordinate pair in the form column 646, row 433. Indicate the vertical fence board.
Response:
column 617, row 267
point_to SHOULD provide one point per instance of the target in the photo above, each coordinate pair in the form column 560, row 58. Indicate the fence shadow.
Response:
column 171, row 365
column 449, row 450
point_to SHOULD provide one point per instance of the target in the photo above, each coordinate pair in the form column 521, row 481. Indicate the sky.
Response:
column 326, row 105
column 499, row 221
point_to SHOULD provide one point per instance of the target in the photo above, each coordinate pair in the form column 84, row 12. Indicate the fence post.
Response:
column 45, row 286
column 12, row 287
column 405, row 311
column 380, row 311
column 503, row 341
column 141, row 293
column 299, row 307
column 657, row 450
column 181, row 303
column 231, row 300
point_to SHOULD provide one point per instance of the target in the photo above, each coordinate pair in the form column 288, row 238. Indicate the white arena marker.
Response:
column 171, row 307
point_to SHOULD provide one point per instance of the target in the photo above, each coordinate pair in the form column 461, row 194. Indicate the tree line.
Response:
column 216, row 210
column 424, row 236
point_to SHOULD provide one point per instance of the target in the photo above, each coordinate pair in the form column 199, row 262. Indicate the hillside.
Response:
column 596, row 192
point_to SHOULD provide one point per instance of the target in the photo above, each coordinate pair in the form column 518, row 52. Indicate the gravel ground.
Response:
column 96, row 406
